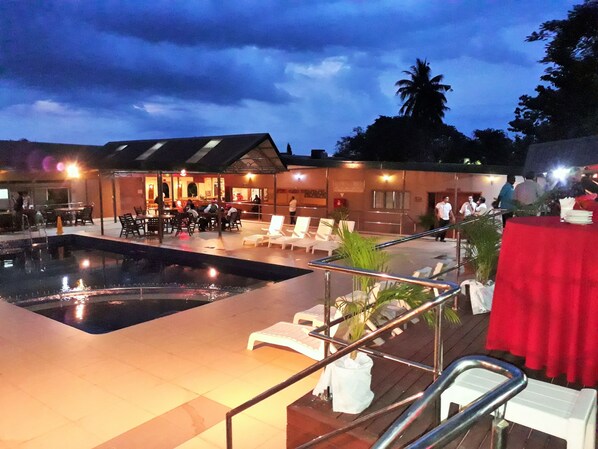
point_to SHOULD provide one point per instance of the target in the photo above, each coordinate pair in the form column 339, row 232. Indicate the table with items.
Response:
column 545, row 305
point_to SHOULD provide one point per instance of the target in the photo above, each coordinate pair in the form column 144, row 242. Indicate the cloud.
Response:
column 307, row 71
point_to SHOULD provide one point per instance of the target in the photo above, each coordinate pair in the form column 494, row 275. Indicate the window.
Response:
column 390, row 199
column 58, row 196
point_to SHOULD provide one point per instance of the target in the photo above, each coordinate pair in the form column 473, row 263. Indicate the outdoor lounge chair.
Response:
column 292, row 336
column 315, row 315
column 274, row 230
column 323, row 233
column 299, row 232
column 333, row 243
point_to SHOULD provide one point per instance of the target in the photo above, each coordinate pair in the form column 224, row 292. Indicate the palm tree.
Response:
column 423, row 97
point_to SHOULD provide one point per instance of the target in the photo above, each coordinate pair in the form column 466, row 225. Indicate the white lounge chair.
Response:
column 399, row 306
column 275, row 229
column 292, row 336
column 334, row 242
column 299, row 232
column 315, row 314
column 323, row 233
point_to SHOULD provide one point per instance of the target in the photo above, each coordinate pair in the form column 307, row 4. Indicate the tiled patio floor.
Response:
column 165, row 383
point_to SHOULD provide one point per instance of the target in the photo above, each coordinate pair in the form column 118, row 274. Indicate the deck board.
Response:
column 393, row 381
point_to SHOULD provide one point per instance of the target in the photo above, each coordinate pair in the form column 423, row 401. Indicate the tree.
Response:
column 423, row 97
column 400, row 139
column 566, row 105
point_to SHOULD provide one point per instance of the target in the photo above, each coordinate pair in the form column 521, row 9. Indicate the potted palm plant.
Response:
column 482, row 246
column 349, row 378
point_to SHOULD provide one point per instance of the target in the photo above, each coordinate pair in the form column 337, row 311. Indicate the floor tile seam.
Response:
column 163, row 417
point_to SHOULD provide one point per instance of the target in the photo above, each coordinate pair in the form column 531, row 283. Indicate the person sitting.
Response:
column 203, row 222
column 189, row 205
column 230, row 214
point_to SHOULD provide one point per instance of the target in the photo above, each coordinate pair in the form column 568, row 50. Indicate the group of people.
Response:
column 444, row 212
column 203, row 222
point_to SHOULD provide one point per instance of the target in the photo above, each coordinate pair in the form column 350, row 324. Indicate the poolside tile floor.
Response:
column 166, row 383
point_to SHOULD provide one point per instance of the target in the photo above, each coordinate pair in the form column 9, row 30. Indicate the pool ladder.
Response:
column 40, row 228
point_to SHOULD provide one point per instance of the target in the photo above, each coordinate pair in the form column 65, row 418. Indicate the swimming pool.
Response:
column 99, row 286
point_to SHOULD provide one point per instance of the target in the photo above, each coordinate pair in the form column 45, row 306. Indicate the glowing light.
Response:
column 60, row 166
column 65, row 284
column 352, row 165
column 299, row 176
column 85, row 263
column 183, row 172
column 80, row 311
column 72, row 171
column 250, row 176
column 561, row 173
column 212, row 273
column 386, row 178
column 491, row 179
column 178, row 203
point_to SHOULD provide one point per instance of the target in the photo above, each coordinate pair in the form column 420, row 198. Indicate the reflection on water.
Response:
column 30, row 273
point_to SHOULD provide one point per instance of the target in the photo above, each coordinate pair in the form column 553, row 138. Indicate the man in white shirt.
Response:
column 444, row 214
column 230, row 211
column 468, row 207
column 528, row 191
column 481, row 207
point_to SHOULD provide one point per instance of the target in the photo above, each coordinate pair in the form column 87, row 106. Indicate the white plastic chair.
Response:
column 275, row 229
column 333, row 243
column 299, row 232
column 292, row 336
column 323, row 233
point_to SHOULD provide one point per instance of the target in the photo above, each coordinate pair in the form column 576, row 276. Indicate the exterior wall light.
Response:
column 386, row 178
column 299, row 177
column 250, row 176
column 183, row 172
column 72, row 171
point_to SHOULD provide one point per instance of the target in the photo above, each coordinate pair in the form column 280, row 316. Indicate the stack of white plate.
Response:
column 579, row 216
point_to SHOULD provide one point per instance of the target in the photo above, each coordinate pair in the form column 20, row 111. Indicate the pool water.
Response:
column 99, row 291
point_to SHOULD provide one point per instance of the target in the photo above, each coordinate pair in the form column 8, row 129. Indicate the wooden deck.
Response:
column 309, row 416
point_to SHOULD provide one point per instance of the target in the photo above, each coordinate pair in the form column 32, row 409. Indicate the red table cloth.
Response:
column 545, row 305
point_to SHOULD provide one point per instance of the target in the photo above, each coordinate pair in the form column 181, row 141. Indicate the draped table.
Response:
column 545, row 305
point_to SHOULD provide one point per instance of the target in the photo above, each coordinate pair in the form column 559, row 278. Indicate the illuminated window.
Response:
column 390, row 199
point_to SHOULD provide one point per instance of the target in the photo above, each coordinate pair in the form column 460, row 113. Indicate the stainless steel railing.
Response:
column 459, row 423
column 448, row 290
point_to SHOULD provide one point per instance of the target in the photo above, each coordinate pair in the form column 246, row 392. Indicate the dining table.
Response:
column 545, row 303
column 69, row 213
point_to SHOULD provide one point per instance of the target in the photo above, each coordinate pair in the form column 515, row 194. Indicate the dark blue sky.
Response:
column 305, row 71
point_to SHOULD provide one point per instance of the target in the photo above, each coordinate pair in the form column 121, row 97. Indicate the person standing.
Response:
column 505, row 199
column 444, row 215
column 528, row 191
column 18, row 208
column 468, row 207
column 293, row 209
column 481, row 207
column 256, row 207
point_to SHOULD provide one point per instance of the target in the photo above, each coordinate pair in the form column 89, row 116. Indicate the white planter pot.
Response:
column 349, row 381
column 480, row 295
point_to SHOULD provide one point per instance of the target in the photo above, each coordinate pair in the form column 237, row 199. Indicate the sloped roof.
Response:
column 580, row 152
column 242, row 153
column 334, row 162
column 22, row 155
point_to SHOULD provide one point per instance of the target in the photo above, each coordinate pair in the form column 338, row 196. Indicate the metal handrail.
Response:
column 449, row 290
column 462, row 421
